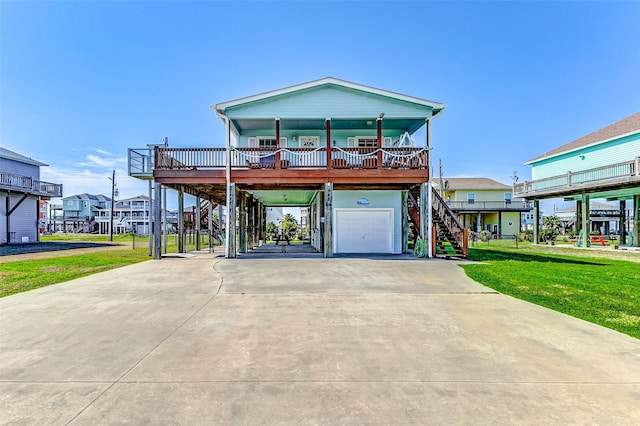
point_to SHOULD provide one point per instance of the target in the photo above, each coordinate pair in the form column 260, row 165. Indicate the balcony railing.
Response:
column 290, row 158
column 490, row 205
column 584, row 178
column 26, row 184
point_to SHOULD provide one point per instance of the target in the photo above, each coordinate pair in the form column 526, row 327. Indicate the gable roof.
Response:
column 5, row 153
column 436, row 106
column 455, row 184
column 624, row 127
column 86, row 196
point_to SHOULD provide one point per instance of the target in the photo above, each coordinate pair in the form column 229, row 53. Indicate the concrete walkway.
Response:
column 203, row 340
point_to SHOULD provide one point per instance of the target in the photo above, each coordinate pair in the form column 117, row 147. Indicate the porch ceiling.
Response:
column 620, row 194
column 252, row 124
column 284, row 197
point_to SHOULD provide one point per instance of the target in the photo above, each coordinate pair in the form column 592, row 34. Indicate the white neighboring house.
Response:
column 129, row 215
column 275, row 215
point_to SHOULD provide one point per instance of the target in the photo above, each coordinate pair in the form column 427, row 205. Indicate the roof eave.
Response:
column 435, row 106
column 546, row 157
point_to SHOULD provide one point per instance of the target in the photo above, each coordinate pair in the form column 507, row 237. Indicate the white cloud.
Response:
column 97, row 161
column 101, row 151
column 79, row 181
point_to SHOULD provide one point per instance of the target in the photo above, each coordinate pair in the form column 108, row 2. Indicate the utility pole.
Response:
column 441, row 182
column 113, row 190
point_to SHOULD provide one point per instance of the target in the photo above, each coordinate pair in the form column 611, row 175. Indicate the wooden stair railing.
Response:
column 451, row 236
column 449, row 224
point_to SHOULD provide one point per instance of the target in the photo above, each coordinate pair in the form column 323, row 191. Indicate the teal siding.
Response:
column 340, row 136
column 377, row 200
column 623, row 149
column 328, row 102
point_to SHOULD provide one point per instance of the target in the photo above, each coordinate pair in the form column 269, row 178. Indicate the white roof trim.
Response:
column 557, row 154
column 221, row 107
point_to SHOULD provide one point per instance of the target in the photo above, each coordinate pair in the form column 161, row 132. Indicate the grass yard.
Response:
column 599, row 290
column 19, row 276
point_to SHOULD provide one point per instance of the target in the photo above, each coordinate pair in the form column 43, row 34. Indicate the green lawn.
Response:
column 599, row 290
column 19, row 276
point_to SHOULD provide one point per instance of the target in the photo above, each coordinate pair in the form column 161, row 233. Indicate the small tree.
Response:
column 272, row 230
column 551, row 225
column 289, row 226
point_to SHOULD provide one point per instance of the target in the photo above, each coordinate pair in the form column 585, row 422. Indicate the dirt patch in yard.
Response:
column 20, row 252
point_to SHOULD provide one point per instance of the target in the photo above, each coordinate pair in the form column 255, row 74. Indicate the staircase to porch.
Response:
column 451, row 236
column 189, row 221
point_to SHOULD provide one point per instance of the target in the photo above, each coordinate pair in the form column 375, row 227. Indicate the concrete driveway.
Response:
column 203, row 340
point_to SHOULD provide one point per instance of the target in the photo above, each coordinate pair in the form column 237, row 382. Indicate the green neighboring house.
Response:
column 604, row 164
column 483, row 204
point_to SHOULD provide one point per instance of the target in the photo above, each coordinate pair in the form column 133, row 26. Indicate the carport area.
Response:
column 205, row 340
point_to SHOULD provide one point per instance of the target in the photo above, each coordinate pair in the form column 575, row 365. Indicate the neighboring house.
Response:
column 21, row 192
column 604, row 218
column 129, row 215
column 604, row 164
column 80, row 211
column 343, row 150
column 275, row 215
column 526, row 221
column 483, row 204
column 55, row 219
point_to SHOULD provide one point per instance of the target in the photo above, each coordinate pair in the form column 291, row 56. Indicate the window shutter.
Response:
column 386, row 142
column 351, row 142
column 283, row 142
column 253, row 142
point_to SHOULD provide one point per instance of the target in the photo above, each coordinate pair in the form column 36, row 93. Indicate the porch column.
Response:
column 426, row 234
column 500, row 225
column 536, row 221
column 379, row 154
column 479, row 223
column 585, row 225
column 622, row 227
column 405, row 222
column 221, row 224
column 180, row 221
column 164, row 219
column 428, row 144
column 252, row 223
column 328, row 220
column 578, row 224
column 636, row 221
column 230, row 249
column 157, row 222
column 242, row 222
column 198, row 223
column 149, row 218
column 328, row 125
column 277, row 147
column 210, row 224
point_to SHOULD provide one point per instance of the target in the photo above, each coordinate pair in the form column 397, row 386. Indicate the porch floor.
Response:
column 295, row 249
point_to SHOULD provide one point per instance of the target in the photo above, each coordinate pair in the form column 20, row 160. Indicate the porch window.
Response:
column 367, row 142
column 507, row 198
column 266, row 142
column 471, row 198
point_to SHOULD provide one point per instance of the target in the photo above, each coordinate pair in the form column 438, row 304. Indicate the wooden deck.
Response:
column 203, row 171
column 612, row 177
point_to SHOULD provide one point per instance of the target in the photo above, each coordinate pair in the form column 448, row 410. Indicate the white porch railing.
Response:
column 568, row 180
column 29, row 185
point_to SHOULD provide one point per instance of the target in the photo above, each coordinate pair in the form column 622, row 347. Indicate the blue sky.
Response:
column 81, row 82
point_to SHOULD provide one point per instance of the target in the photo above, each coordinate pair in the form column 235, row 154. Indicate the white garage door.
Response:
column 363, row 231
